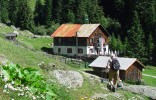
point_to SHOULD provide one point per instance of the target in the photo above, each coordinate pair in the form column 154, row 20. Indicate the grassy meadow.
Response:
column 27, row 52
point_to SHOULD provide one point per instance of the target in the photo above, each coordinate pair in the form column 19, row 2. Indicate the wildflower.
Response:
column 11, row 87
column 26, row 88
column 4, row 91
column 34, row 97
column 18, row 94
column 5, row 86
column 22, row 93
column 5, row 79
column 12, row 82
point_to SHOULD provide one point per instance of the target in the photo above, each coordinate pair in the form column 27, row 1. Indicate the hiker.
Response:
column 113, row 73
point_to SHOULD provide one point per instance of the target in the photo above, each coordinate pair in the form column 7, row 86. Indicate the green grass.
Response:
column 89, row 88
column 150, row 70
column 128, row 96
column 5, row 29
column 150, row 81
column 24, row 56
column 34, row 43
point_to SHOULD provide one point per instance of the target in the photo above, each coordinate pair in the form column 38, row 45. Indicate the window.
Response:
column 59, row 40
column 69, row 50
column 59, row 50
column 98, row 40
column 91, row 40
column 91, row 50
column 80, row 50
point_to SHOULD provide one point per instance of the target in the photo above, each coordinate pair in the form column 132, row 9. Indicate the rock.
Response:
column 102, row 96
column 70, row 79
column 140, row 89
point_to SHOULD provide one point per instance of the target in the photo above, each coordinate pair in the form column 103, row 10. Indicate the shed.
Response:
column 11, row 36
column 131, row 68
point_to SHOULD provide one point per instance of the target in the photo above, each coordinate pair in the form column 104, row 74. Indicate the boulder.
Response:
column 70, row 79
column 143, row 90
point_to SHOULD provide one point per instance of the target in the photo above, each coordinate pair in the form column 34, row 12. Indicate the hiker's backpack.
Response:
column 115, row 64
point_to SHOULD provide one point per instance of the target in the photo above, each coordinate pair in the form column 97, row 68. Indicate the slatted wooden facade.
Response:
column 134, row 72
column 131, row 68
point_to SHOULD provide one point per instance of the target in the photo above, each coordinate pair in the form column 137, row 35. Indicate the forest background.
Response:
column 131, row 23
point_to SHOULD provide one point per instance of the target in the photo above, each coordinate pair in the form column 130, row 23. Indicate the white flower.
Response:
column 18, row 94
column 11, row 87
column 26, row 88
column 4, row 91
column 34, row 97
column 12, row 99
column 12, row 82
column 5, row 79
column 5, row 86
column 22, row 93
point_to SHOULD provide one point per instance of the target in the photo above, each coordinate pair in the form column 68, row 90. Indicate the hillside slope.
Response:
column 27, row 53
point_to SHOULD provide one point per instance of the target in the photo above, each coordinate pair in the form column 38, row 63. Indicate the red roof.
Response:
column 79, row 30
column 66, row 30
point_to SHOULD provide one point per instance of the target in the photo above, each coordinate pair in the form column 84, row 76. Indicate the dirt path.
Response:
column 149, row 75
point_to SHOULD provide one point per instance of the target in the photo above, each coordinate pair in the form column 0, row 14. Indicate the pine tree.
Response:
column 136, row 39
column 126, row 47
column 119, row 46
column 13, row 10
column 58, row 10
column 81, row 13
column 70, row 16
column 4, row 11
column 39, row 13
column 25, row 16
column 113, row 42
column 48, row 12
column 94, row 11
column 150, row 46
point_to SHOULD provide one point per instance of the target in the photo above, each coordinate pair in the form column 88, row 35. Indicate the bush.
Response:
column 40, row 30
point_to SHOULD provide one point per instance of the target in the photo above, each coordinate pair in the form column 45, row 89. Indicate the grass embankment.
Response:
column 34, row 43
column 150, row 81
column 23, row 56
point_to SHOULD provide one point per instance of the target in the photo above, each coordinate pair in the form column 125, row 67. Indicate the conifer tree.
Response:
column 136, row 39
column 119, row 46
column 39, row 13
column 150, row 46
column 48, row 12
column 94, row 11
column 57, row 11
column 25, row 16
column 13, row 10
column 81, row 12
column 4, row 11
column 113, row 42
column 70, row 16
column 126, row 47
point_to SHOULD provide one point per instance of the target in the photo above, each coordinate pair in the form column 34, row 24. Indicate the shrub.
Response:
column 40, row 30
column 28, row 81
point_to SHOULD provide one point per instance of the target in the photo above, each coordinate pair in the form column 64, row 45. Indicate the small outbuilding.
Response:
column 11, row 36
column 131, row 68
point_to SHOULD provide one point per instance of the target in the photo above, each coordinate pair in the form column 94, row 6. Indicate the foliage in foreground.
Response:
column 26, row 81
